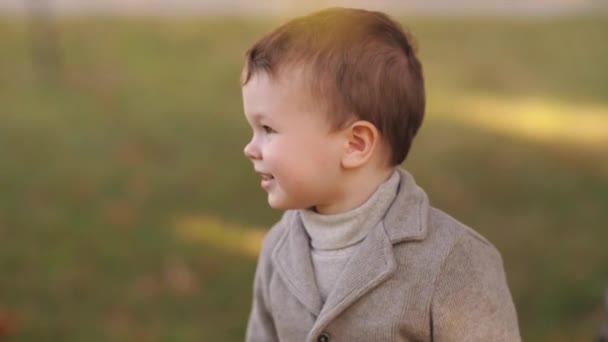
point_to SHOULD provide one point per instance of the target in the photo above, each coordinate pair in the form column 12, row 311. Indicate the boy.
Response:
column 335, row 99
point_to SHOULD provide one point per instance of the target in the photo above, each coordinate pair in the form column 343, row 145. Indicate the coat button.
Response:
column 324, row 337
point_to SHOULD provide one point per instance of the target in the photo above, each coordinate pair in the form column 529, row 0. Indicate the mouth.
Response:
column 267, row 181
column 267, row 177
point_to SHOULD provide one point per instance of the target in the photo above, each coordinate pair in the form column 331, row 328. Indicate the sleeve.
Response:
column 471, row 300
column 260, row 327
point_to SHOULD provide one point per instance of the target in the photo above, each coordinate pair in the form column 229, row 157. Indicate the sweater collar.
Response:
column 337, row 231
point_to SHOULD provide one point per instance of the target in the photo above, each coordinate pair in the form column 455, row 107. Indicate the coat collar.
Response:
column 372, row 263
column 406, row 218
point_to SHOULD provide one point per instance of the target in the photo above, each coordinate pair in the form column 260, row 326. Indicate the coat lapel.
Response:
column 372, row 263
column 293, row 263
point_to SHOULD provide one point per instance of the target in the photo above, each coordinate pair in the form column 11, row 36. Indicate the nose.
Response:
column 252, row 151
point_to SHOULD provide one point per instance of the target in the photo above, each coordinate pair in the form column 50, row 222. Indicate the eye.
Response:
column 267, row 129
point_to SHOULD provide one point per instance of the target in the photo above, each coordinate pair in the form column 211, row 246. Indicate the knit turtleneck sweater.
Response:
column 335, row 237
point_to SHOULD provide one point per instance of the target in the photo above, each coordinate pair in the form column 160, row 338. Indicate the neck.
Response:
column 359, row 186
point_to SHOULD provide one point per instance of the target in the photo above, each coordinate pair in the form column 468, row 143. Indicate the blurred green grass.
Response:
column 119, row 174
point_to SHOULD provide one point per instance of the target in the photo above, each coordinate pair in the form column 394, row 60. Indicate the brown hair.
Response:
column 360, row 63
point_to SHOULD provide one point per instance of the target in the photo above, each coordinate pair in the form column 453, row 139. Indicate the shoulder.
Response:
column 452, row 249
column 457, row 237
column 470, row 260
column 471, row 296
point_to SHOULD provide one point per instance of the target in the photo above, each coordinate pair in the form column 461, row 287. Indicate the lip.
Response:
column 267, row 183
column 267, row 180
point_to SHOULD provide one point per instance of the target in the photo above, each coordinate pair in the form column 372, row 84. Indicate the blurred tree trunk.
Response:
column 44, row 41
column 603, row 337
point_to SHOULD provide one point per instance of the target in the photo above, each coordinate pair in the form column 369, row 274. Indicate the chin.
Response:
column 275, row 204
column 282, row 205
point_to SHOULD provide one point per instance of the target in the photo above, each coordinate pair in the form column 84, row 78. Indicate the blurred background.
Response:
column 129, row 213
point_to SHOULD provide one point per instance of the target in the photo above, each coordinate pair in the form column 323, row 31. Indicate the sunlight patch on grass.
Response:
column 214, row 231
column 535, row 119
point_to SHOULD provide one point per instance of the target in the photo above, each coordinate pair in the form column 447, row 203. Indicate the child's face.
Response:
column 292, row 147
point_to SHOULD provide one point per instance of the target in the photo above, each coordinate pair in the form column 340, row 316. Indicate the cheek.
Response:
column 288, row 160
column 277, row 155
column 302, row 159
column 328, row 154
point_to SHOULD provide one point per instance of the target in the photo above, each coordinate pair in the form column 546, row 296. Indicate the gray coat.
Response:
column 419, row 275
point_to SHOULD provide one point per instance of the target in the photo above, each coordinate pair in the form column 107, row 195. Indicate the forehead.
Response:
column 286, row 92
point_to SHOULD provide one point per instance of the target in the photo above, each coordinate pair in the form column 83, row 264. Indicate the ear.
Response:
column 362, row 138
